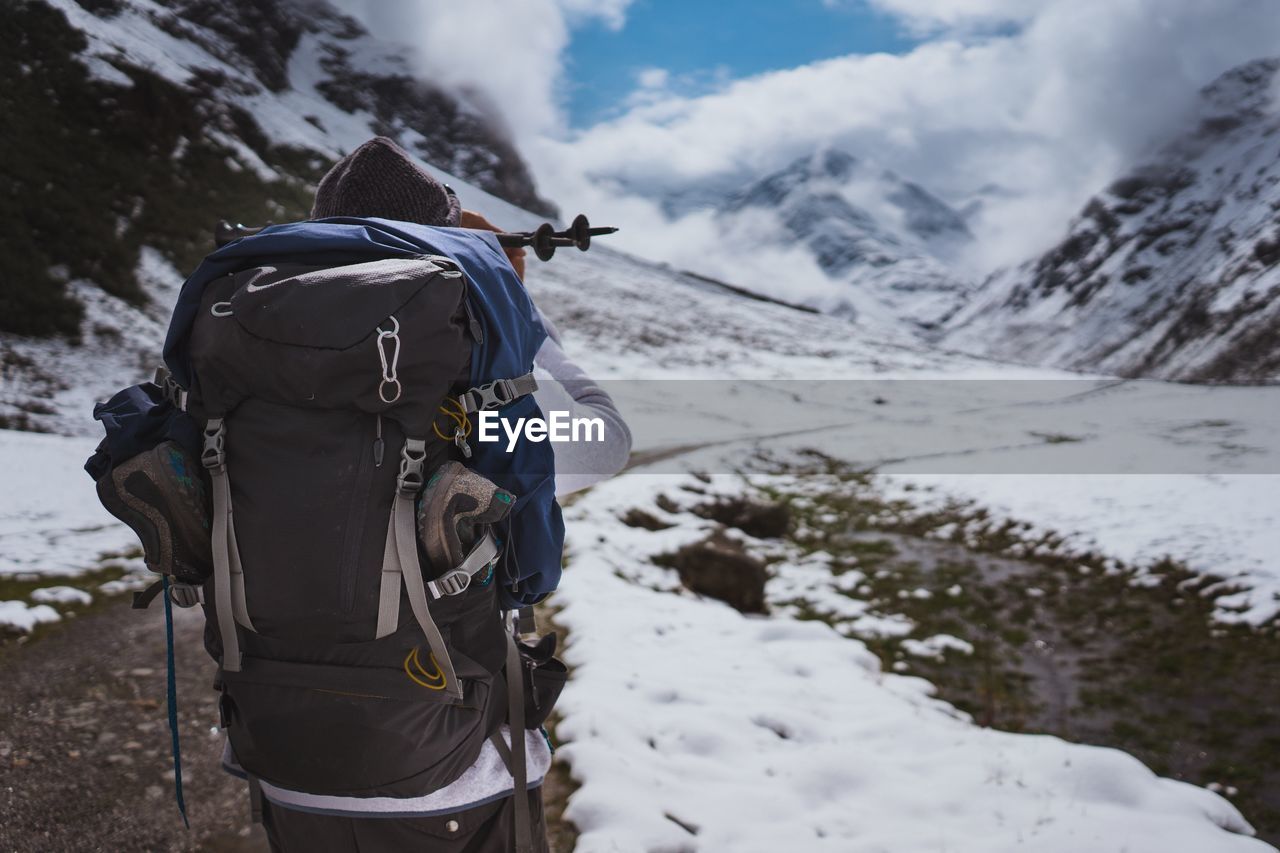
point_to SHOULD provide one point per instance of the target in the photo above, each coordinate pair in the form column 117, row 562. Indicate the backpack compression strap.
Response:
column 400, row 565
column 513, row 756
column 520, row 769
column 228, row 573
column 456, row 581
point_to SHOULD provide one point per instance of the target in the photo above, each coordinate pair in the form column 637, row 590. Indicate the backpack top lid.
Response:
column 511, row 332
column 511, row 329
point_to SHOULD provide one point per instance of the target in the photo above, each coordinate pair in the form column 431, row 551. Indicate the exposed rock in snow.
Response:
column 282, row 60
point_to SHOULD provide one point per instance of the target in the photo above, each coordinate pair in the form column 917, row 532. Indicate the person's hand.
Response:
column 473, row 220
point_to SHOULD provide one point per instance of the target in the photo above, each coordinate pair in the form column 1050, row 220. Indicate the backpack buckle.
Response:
column 491, row 395
column 169, row 387
column 184, row 594
column 214, row 452
column 456, row 581
column 412, row 458
column 496, row 394
column 452, row 583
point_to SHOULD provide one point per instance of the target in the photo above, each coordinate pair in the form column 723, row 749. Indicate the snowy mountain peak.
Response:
column 1173, row 270
column 1251, row 89
column 833, row 184
column 833, row 163
column 877, row 241
column 825, row 163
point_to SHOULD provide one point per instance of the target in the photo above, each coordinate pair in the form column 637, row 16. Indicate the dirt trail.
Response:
column 84, row 742
column 84, row 745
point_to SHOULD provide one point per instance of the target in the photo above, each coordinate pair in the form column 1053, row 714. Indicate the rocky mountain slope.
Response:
column 1172, row 271
column 136, row 121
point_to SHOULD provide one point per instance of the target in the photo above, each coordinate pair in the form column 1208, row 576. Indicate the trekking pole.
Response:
column 545, row 238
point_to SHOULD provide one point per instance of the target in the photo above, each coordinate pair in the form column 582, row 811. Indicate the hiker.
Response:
column 368, row 601
column 476, row 812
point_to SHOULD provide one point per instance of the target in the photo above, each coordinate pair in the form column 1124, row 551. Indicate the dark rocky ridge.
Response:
column 93, row 168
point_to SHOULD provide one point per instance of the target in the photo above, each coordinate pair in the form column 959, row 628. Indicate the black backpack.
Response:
column 348, row 664
column 314, row 627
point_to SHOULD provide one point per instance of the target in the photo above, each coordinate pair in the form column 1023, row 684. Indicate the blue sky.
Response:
column 700, row 42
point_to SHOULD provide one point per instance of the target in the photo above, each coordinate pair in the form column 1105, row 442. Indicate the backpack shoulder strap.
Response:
column 228, row 574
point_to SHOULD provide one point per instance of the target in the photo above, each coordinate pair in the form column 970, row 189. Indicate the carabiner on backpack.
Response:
column 390, row 362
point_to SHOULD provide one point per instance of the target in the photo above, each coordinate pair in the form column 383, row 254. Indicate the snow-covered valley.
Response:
column 678, row 700
column 949, row 515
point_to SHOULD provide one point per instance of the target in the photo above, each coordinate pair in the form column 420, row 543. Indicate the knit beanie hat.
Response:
column 380, row 179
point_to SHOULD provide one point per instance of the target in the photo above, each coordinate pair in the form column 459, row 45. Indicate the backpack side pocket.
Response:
column 544, row 678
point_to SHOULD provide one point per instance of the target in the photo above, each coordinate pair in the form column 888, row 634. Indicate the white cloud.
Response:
column 1052, row 109
column 1048, row 98
column 510, row 51
column 924, row 16
column 652, row 78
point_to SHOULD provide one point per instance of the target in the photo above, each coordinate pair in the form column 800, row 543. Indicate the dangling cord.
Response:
column 459, row 418
column 461, row 425
column 511, row 560
column 434, row 681
column 172, row 698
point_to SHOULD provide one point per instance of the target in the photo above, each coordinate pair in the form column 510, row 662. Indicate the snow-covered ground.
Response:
column 693, row 727
column 53, row 527
column 51, row 523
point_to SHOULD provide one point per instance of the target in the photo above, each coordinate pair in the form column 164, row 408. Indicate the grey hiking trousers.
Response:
column 489, row 828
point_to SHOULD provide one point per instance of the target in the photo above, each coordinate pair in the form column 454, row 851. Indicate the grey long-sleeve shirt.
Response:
column 564, row 386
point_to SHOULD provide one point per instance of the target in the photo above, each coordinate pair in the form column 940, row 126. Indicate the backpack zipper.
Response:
column 357, row 513
column 473, row 322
